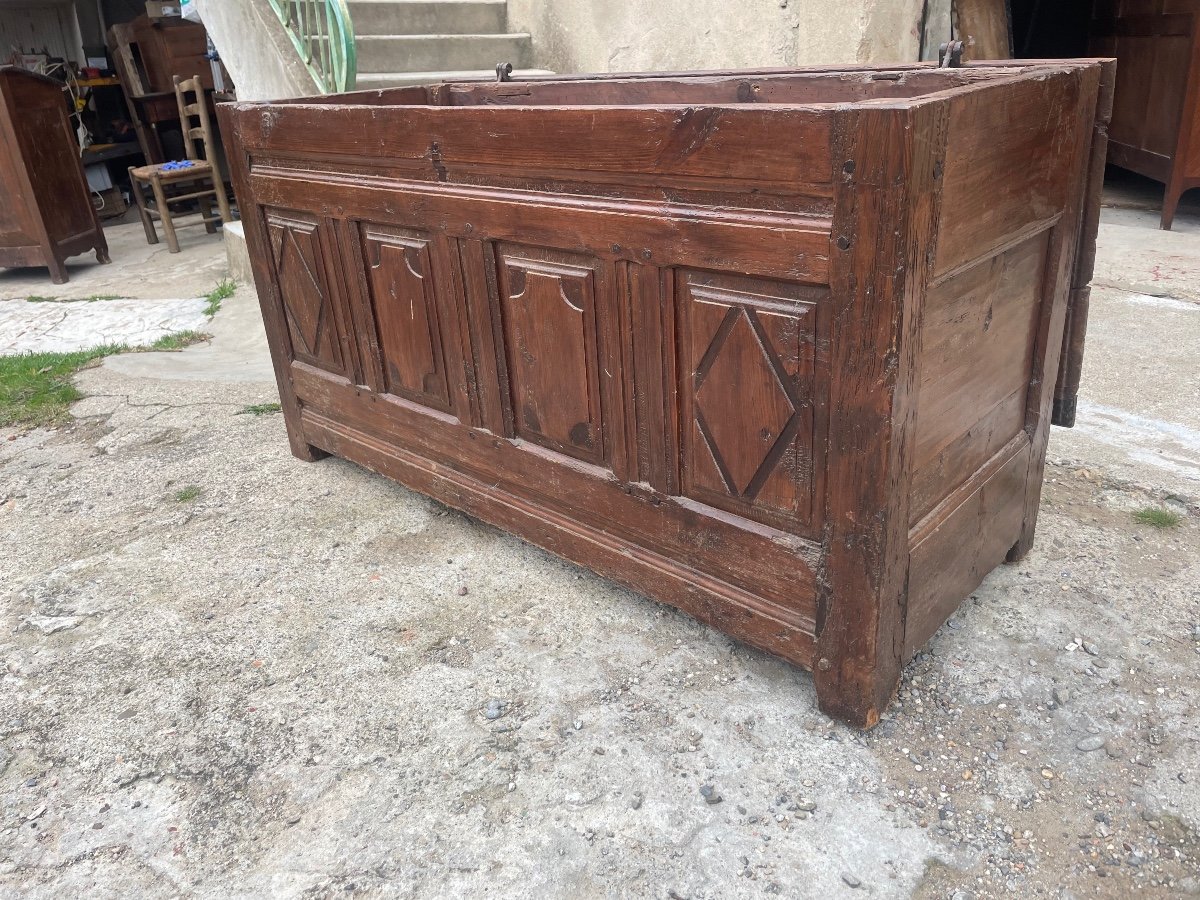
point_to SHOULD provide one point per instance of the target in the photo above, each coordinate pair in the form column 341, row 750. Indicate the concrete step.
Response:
column 428, row 16
column 403, row 79
column 436, row 52
column 237, row 253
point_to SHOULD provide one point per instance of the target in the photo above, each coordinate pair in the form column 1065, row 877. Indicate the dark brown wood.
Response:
column 1155, row 127
column 169, row 47
column 46, row 212
column 771, row 347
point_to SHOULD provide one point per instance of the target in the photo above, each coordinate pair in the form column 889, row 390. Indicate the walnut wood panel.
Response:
column 305, row 290
column 169, row 47
column 754, row 145
column 748, row 394
column 977, row 345
column 756, row 243
column 779, row 365
column 990, row 134
column 970, row 538
column 781, row 88
column 403, row 295
column 985, row 25
column 547, row 305
column 1066, row 390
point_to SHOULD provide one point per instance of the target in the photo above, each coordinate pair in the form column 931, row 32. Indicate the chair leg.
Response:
column 139, row 197
column 222, row 197
column 164, row 213
column 206, row 208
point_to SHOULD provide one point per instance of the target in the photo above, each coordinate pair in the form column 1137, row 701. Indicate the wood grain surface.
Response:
column 770, row 347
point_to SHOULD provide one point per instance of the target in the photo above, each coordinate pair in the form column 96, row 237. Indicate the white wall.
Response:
column 32, row 26
column 255, row 48
column 652, row 35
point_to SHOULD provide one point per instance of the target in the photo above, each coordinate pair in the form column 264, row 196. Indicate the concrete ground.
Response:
column 231, row 674
column 138, row 269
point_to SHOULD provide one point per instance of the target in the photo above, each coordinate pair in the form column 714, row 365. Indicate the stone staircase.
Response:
column 419, row 41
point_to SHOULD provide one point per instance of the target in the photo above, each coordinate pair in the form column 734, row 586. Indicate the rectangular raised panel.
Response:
column 547, row 303
column 1007, row 170
column 977, row 345
column 400, row 278
column 950, row 559
column 304, row 291
column 747, row 394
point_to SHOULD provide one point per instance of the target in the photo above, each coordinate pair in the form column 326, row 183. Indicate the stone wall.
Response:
column 636, row 35
column 256, row 49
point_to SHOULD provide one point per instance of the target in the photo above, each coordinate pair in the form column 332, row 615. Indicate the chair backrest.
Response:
column 196, row 109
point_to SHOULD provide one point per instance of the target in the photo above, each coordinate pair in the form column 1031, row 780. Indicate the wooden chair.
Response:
column 203, row 169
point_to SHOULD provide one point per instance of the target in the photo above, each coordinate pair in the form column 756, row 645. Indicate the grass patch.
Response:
column 260, row 409
column 187, row 494
column 38, row 298
column 36, row 389
column 223, row 291
column 1157, row 517
column 178, row 340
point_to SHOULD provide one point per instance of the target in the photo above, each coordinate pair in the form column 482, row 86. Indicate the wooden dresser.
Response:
column 46, row 212
column 1155, row 128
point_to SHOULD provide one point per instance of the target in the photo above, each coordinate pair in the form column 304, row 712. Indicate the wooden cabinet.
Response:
column 46, row 212
column 777, row 348
column 1155, row 127
column 172, row 46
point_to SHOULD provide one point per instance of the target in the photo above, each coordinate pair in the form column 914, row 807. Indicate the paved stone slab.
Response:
column 62, row 327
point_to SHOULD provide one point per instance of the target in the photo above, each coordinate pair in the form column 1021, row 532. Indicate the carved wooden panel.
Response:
column 747, row 394
column 308, row 305
column 552, row 348
column 403, row 293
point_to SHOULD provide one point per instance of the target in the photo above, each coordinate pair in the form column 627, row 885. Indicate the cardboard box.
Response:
column 162, row 9
column 109, row 203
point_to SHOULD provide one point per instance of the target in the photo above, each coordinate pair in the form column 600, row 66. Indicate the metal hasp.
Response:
column 503, row 72
column 950, row 55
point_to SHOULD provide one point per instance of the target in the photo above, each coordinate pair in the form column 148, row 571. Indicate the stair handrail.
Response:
column 323, row 35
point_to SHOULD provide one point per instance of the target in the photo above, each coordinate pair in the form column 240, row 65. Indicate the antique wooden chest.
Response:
column 779, row 348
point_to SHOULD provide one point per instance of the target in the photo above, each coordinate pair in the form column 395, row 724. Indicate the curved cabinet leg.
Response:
column 58, row 270
column 1170, row 204
column 164, row 214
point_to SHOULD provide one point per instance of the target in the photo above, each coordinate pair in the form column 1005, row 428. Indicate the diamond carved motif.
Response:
column 742, row 404
column 306, row 302
column 311, row 321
